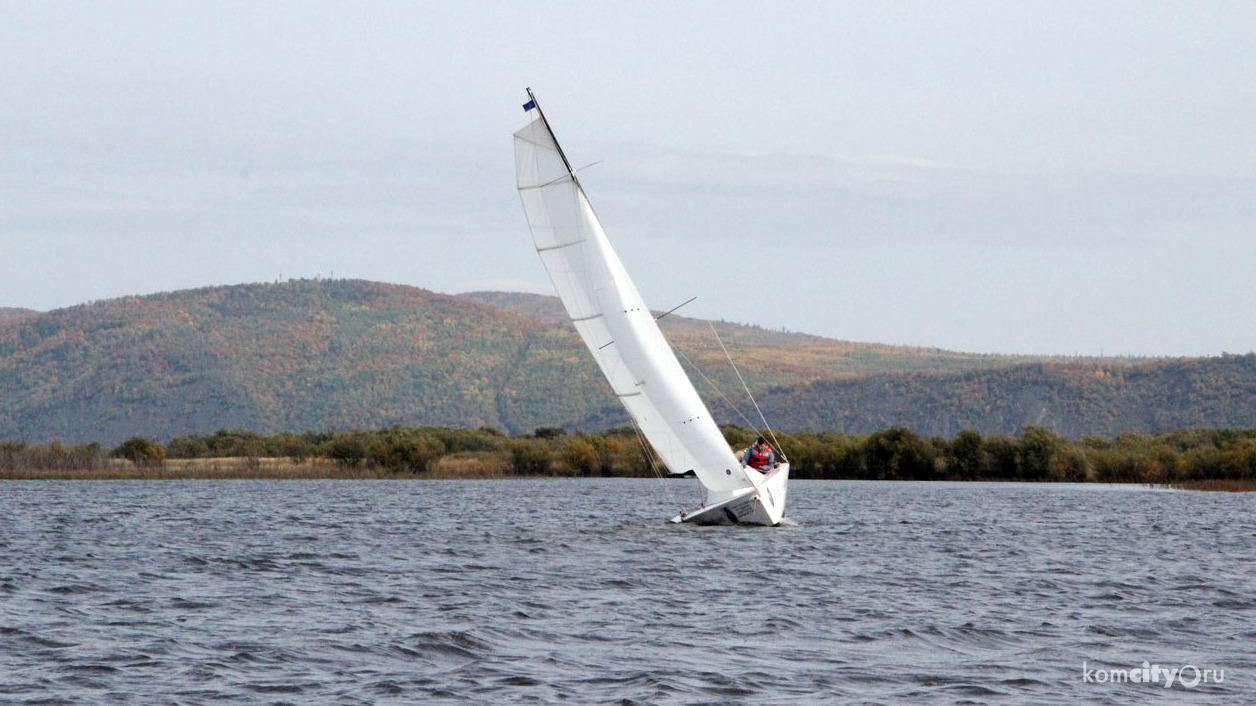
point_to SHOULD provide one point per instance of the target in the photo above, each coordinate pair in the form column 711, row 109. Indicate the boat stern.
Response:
column 763, row 504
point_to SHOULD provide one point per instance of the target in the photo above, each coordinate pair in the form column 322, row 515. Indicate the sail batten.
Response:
column 605, row 306
column 560, row 247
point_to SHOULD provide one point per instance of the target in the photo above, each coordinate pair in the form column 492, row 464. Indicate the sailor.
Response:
column 759, row 456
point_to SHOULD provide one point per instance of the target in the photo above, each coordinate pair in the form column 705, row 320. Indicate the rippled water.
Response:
column 380, row 592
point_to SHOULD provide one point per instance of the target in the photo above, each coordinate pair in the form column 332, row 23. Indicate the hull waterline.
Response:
column 763, row 505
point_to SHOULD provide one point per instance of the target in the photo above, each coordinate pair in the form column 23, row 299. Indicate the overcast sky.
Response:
column 997, row 177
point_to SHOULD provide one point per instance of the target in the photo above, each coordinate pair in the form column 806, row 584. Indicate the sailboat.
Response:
column 623, row 335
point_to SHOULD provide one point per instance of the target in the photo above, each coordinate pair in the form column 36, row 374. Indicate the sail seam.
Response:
column 535, row 143
column 559, row 247
column 551, row 182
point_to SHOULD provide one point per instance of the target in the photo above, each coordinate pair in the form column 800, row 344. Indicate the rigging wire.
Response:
column 746, row 387
column 649, row 457
column 717, row 390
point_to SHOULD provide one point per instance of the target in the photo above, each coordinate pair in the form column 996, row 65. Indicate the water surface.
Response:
column 542, row 591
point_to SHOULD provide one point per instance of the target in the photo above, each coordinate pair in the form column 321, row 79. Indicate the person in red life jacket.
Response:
column 759, row 456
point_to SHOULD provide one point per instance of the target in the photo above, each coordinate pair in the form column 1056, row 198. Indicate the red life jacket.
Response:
column 759, row 458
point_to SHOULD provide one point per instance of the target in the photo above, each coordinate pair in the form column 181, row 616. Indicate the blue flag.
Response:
column 529, row 106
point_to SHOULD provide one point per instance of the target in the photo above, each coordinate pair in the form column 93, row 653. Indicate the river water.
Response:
column 543, row 591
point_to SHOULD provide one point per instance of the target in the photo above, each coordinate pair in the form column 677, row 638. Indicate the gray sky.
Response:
column 999, row 177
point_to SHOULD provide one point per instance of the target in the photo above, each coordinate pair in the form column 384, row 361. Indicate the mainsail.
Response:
column 614, row 322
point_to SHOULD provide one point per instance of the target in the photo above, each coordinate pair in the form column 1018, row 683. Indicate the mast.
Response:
column 550, row 130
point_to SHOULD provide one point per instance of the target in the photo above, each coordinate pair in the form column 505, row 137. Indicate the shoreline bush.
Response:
column 1033, row 455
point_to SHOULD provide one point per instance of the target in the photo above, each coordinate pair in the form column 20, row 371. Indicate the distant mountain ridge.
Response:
column 779, row 357
column 321, row 354
column 299, row 355
column 8, row 312
column 1070, row 399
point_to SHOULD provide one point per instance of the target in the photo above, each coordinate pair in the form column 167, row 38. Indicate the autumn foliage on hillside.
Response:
column 298, row 355
column 1070, row 399
column 343, row 355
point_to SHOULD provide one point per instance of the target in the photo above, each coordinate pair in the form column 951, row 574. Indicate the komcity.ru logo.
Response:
column 1187, row 675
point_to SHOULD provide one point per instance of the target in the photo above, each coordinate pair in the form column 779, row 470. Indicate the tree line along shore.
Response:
column 1221, row 459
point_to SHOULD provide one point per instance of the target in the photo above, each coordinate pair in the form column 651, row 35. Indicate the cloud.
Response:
column 910, row 200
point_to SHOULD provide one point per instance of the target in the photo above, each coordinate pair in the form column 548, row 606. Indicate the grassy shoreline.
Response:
column 1216, row 486
column 449, row 468
column 251, row 468
column 1200, row 459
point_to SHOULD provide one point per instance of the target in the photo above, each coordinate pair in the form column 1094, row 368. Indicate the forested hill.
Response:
column 8, row 312
column 326, row 355
column 1075, row 400
column 298, row 355
column 774, row 357
column 349, row 354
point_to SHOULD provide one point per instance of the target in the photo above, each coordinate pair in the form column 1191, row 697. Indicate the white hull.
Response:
column 764, row 504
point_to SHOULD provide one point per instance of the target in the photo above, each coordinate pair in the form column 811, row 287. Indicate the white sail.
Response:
column 614, row 322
